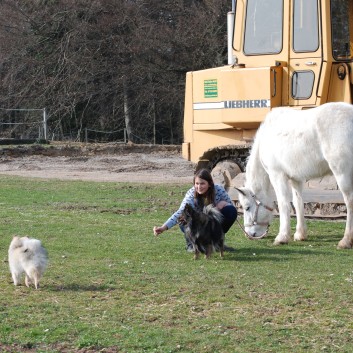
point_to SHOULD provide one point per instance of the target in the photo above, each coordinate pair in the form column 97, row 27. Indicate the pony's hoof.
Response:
column 280, row 242
column 344, row 244
column 300, row 237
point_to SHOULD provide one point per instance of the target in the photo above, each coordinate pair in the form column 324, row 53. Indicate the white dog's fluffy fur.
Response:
column 27, row 255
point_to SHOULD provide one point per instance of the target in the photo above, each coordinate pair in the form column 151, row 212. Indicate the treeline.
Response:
column 105, row 65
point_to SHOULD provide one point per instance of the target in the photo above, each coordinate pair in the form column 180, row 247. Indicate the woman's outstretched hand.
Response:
column 159, row 230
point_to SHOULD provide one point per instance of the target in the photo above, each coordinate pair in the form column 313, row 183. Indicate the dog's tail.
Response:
column 33, row 249
column 213, row 212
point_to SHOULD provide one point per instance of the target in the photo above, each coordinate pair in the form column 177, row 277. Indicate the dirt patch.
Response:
column 137, row 164
column 97, row 162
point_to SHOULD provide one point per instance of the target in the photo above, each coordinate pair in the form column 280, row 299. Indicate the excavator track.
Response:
column 236, row 153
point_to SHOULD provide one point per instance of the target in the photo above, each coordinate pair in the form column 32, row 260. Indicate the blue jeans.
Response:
column 229, row 217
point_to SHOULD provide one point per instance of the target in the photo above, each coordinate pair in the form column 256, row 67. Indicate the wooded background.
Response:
column 105, row 65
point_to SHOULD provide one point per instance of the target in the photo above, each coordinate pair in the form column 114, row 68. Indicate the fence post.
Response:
column 45, row 123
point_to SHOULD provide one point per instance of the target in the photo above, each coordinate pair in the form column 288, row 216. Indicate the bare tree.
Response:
column 107, row 64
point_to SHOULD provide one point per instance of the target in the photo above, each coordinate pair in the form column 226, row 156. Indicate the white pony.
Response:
column 291, row 147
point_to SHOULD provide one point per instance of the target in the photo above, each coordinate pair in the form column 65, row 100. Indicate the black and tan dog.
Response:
column 204, row 230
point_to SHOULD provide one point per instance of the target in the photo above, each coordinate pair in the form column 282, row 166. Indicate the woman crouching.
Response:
column 203, row 193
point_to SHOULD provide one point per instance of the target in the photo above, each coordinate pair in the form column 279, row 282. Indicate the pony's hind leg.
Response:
column 301, row 230
column 344, row 183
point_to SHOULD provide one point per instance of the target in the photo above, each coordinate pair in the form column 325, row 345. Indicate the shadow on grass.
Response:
column 74, row 287
column 275, row 254
column 334, row 239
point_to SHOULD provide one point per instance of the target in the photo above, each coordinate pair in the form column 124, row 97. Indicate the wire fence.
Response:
column 13, row 126
column 117, row 136
column 24, row 124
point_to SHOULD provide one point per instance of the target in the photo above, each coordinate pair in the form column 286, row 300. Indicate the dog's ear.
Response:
column 16, row 242
column 187, row 207
column 16, row 238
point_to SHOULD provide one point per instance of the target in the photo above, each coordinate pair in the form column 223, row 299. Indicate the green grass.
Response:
column 112, row 285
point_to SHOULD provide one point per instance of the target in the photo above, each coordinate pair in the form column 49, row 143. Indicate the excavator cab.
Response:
column 309, row 39
column 292, row 53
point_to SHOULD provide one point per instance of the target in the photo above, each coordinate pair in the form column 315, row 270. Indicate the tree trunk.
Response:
column 126, row 113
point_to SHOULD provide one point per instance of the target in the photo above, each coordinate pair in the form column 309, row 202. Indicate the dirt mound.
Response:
column 98, row 162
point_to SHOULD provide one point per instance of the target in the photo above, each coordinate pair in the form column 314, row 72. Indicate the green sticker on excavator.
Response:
column 210, row 88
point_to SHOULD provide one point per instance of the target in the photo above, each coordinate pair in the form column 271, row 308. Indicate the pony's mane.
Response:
column 257, row 179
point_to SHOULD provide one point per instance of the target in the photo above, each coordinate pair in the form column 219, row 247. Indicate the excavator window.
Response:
column 341, row 26
column 263, row 27
column 305, row 26
column 302, row 84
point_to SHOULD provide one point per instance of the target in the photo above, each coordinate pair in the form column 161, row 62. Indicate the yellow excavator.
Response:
column 292, row 53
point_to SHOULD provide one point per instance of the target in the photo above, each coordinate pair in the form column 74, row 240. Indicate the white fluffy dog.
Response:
column 29, row 256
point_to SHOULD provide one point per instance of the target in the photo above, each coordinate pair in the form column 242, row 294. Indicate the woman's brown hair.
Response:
column 208, row 197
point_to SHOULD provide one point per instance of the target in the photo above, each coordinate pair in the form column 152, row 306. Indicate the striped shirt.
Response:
column 220, row 195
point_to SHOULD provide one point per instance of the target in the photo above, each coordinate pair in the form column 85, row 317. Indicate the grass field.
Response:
column 112, row 286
